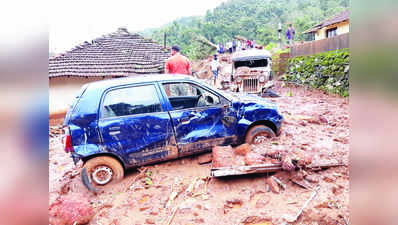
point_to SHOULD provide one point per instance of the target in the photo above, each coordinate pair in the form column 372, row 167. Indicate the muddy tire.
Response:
column 104, row 170
column 259, row 134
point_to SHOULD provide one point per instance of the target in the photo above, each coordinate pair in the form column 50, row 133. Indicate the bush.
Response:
column 327, row 71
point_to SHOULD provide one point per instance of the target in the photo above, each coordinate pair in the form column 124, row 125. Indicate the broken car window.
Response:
column 131, row 101
column 186, row 95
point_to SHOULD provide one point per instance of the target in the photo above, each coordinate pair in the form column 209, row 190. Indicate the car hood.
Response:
column 248, row 100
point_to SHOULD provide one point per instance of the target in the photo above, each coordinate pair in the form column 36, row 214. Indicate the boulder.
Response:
column 71, row 209
column 222, row 156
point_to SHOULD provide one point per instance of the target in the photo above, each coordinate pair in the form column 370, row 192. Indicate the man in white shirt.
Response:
column 215, row 65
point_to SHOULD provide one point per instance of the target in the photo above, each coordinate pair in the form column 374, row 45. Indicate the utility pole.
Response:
column 164, row 40
column 279, row 35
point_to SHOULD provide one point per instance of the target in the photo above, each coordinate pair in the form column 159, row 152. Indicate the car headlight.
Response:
column 239, row 80
column 261, row 78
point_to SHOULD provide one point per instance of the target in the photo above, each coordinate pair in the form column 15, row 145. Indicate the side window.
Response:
column 186, row 95
column 131, row 101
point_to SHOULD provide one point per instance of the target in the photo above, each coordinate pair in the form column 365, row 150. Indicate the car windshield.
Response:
column 252, row 63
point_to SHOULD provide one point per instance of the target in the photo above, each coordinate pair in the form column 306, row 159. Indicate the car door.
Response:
column 134, row 124
column 201, row 118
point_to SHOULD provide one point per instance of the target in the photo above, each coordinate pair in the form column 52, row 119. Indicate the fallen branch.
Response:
column 137, row 177
column 314, row 193
column 173, row 214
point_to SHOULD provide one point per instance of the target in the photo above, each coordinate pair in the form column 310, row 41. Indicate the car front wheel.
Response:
column 259, row 134
column 104, row 170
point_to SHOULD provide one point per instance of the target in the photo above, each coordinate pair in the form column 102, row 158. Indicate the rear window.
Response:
column 252, row 63
column 131, row 101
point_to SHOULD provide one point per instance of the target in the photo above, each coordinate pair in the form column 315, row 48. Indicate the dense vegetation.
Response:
column 253, row 19
column 327, row 71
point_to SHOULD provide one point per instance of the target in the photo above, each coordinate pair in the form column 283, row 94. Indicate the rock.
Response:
column 312, row 178
column 337, row 189
column 253, row 158
column 256, row 220
column 70, row 209
column 242, row 149
column 324, row 205
column 149, row 221
column 198, row 220
column 144, row 207
column 262, row 202
column 222, row 156
column 302, row 123
column 273, row 185
column 329, row 178
column 323, row 119
column 233, row 203
column 205, row 158
column 287, row 163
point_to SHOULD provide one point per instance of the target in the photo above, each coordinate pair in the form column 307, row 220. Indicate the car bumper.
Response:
column 76, row 157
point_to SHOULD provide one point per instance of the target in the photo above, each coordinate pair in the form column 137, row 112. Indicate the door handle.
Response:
column 187, row 118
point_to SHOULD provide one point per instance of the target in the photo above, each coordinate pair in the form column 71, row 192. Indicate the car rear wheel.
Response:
column 259, row 134
column 104, row 170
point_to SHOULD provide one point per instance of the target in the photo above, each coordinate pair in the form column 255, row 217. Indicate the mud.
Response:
column 316, row 125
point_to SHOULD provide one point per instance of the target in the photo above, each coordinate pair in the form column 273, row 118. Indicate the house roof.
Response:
column 343, row 16
column 116, row 54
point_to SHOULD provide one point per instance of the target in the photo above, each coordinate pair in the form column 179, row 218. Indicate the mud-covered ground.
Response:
column 235, row 200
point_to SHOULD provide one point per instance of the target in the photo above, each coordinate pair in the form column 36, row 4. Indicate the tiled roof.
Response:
column 343, row 16
column 117, row 54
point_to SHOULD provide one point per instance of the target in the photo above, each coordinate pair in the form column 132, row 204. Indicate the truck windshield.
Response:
column 252, row 63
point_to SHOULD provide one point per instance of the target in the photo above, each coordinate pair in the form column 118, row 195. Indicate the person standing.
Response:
column 177, row 63
column 290, row 34
column 229, row 46
column 215, row 66
column 234, row 46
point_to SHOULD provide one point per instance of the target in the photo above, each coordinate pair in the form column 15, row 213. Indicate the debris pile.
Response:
column 71, row 209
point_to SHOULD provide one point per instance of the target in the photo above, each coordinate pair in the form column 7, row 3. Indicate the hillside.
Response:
column 253, row 19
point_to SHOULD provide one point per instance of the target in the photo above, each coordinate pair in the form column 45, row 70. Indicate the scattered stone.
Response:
column 255, row 220
column 324, row 205
column 329, row 178
column 198, row 220
column 144, row 207
column 149, row 221
column 323, row 119
column 312, row 178
column 302, row 123
column 242, row 149
column 205, row 158
column 287, row 163
column 337, row 189
column 70, row 209
column 253, row 158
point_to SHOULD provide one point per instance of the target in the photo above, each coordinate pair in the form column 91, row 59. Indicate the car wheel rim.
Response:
column 102, row 175
column 261, row 138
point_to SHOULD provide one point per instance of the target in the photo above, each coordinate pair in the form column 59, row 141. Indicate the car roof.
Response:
column 136, row 79
column 251, row 54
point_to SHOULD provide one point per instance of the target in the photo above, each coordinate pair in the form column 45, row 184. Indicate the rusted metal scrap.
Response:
column 262, row 168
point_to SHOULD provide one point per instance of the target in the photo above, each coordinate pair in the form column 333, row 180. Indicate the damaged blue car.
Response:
column 117, row 124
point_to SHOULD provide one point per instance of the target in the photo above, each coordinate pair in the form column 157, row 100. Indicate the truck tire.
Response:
column 259, row 134
column 103, row 170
